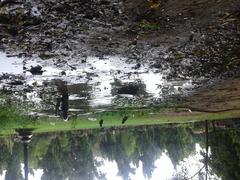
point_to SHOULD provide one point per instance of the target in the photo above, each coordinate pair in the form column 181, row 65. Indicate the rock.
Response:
column 137, row 66
column 63, row 73
column 84, row 60
column 157, row 65
column 36, row 70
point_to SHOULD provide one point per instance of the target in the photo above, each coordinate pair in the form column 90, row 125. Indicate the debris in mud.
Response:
column 137, row 66
column 63, row 73
column 16, row 83
column 164, row 48
column 131, row 88
column 10, row 79
column 65, row 30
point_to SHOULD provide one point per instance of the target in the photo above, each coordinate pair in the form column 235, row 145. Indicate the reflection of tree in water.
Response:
column 225, row 153
column 82, row 158
column 5, row 153
column 55, row 97
column 13, row 163
column 178, row 142
column 72, row 155
column 115, row 149
column 132, row 88
column 72, row 160
column 148, row 150
column 53, row 162
column 81, row 90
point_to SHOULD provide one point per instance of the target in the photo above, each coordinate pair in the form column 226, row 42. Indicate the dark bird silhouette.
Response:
column 124, row 119
column 101, row 122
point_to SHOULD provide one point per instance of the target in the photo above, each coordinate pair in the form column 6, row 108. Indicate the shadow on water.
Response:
column 203, row 150
column 62, row 102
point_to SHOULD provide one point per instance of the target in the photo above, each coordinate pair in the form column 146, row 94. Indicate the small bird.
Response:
column 101, row 122
column 124, row 119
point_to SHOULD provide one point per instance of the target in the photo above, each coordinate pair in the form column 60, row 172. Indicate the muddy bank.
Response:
column 191, row 38
column 117, row 53
column 220, row 97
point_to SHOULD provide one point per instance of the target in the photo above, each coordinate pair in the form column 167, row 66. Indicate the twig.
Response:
column 196, row 173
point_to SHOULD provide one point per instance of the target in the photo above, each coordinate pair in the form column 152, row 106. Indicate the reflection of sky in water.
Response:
column 164, row 169
column 36, row 175
column 2, row 176
column 11, row 65
column 102, row 73
column 98, row 73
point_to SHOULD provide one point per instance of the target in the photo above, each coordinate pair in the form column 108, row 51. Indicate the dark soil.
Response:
column 193, row 38
column 197, row 40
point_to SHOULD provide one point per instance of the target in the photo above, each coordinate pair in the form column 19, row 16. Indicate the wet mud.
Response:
column 220, row 97
column 128, row 53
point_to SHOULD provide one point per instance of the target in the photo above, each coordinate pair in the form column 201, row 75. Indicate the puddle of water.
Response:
column 153, row 82
column 95, row 80
column 10, row 65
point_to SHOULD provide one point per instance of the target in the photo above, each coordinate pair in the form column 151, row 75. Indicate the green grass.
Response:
column 111, row 119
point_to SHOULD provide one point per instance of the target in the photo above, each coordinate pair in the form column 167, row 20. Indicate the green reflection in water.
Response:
column 83, row 154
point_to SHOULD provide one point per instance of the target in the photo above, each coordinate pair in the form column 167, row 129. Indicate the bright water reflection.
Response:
column 99, row 83
column 146, row 152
